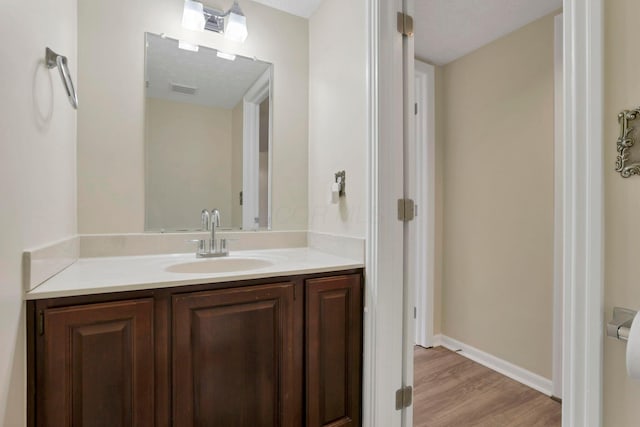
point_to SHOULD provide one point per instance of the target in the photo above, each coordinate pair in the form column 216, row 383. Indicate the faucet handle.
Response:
column 202, row 244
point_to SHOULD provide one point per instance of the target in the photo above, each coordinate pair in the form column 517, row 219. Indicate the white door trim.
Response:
column 556, row 367
column 423, row 169
column 583, row 215
column 257, row 93
column 383, row 317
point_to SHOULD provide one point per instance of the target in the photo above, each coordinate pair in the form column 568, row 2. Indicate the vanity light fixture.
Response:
column 196, row 17
column 236, row 24
column 193, row 16
column 225, row 55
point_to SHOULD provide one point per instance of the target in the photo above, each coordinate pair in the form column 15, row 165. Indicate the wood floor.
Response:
column 451, row 390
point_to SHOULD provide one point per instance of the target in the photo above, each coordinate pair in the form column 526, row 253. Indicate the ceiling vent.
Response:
column 187, row 90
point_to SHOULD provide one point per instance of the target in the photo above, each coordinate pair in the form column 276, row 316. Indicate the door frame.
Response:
column 582, row 216
column 556, row 363
column 583, row 213
column 424, row 222
column 258, row 92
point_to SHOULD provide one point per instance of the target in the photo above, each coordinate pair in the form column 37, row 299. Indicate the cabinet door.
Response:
column 333, row 350
column 234, row 360
column 97, row 365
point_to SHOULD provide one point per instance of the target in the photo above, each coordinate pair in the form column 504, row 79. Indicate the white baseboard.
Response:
column 528, row 378
column 437, row 340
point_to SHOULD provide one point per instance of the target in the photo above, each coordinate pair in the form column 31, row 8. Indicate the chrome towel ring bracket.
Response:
column 53, row 60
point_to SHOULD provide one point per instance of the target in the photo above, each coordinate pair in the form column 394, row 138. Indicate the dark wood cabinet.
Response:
column 333, row 351
column 234, row 362
column 266, row 352
column 97, row 365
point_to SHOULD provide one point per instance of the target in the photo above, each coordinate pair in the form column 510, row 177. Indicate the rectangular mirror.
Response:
column 208, row 126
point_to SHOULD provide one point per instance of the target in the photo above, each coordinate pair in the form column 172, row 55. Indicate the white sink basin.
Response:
column 219, row 265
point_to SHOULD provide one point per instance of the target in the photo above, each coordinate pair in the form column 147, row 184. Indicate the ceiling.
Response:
column 446, row 30
column 303, row 8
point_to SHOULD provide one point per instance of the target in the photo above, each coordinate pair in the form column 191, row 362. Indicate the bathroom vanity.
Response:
column 277, row 345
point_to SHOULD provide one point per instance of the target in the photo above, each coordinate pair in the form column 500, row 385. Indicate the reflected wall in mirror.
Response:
column 112, row 119
column 207, row 137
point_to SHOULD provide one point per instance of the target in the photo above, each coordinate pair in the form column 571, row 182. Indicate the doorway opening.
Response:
column 582, row 231
column 485, row 248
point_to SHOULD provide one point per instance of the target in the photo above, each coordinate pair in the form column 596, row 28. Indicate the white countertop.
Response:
column 118, row 274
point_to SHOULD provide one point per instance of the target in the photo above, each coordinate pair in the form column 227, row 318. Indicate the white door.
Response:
column 384, row 295
column 409, row 228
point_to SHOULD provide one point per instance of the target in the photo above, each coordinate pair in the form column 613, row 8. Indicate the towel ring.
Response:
column 53, row 60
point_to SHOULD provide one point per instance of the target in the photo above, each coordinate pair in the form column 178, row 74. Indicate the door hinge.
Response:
column 405, row 24
column 406, row 209
column 41, row 322
column 415, row 108
column 404, row 397
column 415, row 312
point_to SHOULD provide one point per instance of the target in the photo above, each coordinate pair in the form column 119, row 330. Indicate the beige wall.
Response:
column 111, row 120
column 498, row 197
column 337, row 112
column 37, row 167
column 622, row 204
column 186, row 144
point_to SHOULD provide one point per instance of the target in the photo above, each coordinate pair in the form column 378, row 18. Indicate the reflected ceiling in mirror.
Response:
column 207, row 137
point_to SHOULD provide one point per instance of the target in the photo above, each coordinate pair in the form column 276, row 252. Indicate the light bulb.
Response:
column 193, row 16
column 236, row 28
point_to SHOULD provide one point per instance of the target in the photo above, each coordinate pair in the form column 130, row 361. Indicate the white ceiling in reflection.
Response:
column 219, row 82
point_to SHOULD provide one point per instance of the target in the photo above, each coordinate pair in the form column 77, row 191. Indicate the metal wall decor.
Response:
column 626, row 140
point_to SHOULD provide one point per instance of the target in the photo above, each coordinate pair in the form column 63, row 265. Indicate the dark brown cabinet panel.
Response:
column 97, row 365
column 282, row 352
column 333, row 351
column 235, row 361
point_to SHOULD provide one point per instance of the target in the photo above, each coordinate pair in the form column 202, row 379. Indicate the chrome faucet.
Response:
column 215, row 222
column 215, row 247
